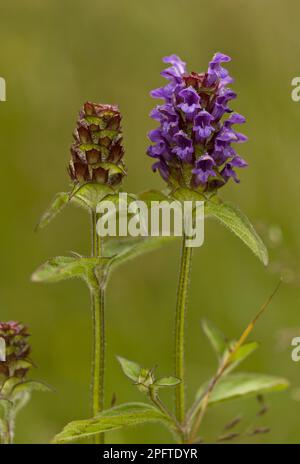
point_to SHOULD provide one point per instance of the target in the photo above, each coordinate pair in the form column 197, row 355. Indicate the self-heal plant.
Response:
column 194, row 155
column 15, row 387
column 96, row 170
column 193, row 146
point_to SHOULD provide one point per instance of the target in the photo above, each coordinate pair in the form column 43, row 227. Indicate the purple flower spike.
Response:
column 193, row 144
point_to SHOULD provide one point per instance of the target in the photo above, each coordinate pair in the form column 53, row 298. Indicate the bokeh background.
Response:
column 54, row 56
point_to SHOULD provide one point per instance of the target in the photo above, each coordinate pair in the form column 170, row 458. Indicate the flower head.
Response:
column 193, row 143
column 97, row 151
column 14, row 362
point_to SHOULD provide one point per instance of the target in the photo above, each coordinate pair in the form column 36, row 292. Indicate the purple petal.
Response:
column 175, row 61
column 163, row 169
column 220, row 58
column 228, row 172
column 234, row 118
column 238, row 162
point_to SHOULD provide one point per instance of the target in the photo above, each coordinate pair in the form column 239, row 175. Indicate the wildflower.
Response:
column 15, row 361
column 193, row 143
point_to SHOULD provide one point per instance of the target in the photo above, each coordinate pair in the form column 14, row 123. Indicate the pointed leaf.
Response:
column 64, row 267
column 241, row 354
column 60, row 200
column 8, row 385
column 111, row 419
column 244, row 385
column 216, row 337
column 123, row 249
column 19, row 364
column 90, row 194
column 185, row 194
column 239, row 224
column 30, row 386
column 167, row 382
column 153, row 195
column 131, row 369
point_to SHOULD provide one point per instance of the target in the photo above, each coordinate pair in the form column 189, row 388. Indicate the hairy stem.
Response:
column 182, row 297
column 98, row 301
column 7, row 433
column 177, row 429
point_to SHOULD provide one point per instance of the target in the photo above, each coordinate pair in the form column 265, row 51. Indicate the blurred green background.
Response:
column 54, row 56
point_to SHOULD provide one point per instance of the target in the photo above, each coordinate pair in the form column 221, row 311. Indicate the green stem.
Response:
column 163, row 408
column 182, row 297
column 98, row 304
column 7, row 435
column 98, row 357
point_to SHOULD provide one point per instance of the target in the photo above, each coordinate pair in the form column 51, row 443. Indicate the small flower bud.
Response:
column 146, row 380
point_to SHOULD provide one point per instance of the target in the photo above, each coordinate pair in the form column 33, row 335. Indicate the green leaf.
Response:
column 123, row 249
column 90, row 194
column 241, row 354
column 111, row 419
column 239, row 224
column 64, row 267
column 30, row 386
column 167, row 382
column 19, row 364
column 216, row 337
column 8, row 385
column 185, row 194
column 153, row 195
column 116, row 251
column 2, row 349
column 244, row 385
column 60, row 200
column 131, row 369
